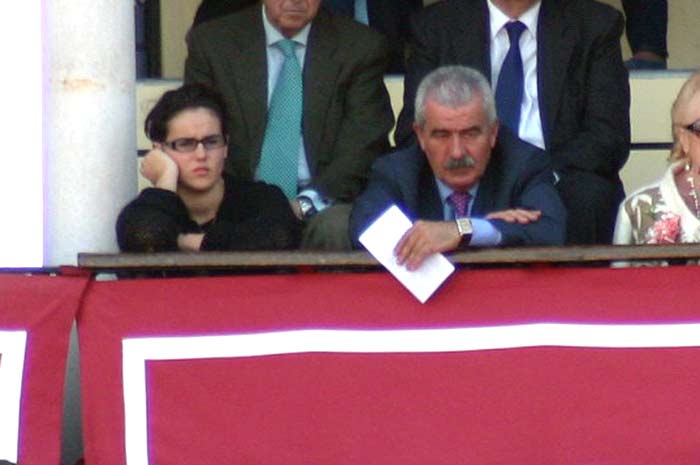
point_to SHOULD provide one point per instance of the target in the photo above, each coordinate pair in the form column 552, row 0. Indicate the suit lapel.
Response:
column 248, row 69
column 486, row 196
column 428, row 204
column 320, row 74
column 556, row 39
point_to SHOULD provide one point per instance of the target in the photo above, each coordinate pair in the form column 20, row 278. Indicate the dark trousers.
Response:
column 647, row 24
column 591, row 206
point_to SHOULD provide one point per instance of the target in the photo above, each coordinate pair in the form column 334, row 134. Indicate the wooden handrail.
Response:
column 281, row 259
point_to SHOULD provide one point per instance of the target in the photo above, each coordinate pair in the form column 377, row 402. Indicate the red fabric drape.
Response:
column 44, row 307
column 532, row 406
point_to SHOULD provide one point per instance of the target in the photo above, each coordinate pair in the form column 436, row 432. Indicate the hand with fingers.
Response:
column 515, row 215
column 426, row 238
column 189, row 242
column 159, row 168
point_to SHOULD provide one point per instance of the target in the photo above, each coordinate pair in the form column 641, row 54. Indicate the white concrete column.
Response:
column 90, row 138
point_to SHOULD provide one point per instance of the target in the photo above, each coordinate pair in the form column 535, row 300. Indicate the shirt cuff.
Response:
column 484, row 233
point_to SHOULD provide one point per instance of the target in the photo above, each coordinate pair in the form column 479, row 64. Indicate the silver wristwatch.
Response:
column 465, row 229
column 307, row 207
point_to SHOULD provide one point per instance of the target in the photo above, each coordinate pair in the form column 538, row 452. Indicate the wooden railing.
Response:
column 203, row 261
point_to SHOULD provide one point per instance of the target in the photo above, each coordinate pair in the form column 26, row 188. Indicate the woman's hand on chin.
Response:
column 159, row 168
column 190, row 242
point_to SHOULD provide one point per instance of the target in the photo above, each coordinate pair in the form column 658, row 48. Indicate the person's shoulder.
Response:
column 401, row 159
column 402, row 165
column 587, row 12
column 437, row 11
column 228, row 24
column 513, row 150
column 347, row 31
column 445, row 12
column 512, row 158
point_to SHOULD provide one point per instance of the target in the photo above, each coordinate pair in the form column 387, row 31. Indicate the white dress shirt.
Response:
column 361, row 13
column 530, row 129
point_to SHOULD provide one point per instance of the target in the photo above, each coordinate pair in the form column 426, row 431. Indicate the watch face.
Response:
column 464, row 225
column 306, row 206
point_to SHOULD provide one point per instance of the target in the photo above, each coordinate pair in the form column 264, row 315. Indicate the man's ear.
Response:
column 494, row 133
column 418, row 130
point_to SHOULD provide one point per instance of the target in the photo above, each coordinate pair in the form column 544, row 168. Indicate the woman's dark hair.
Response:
column 174, row 101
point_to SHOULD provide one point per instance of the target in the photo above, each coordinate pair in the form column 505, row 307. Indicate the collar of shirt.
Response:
column 498, row 18
column 445, row 191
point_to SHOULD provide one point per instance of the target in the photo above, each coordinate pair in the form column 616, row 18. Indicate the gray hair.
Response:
column 454, row 87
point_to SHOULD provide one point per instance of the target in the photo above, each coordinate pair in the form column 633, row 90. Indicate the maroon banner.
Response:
column 36, row 314
column 541, row 366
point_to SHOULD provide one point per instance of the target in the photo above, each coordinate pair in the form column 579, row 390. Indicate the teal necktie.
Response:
column 280, row 150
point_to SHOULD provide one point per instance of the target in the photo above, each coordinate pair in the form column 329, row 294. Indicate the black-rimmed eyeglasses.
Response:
column 189, row 144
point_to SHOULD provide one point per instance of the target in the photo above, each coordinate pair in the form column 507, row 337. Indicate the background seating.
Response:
column 683, row 34
column 652, row 95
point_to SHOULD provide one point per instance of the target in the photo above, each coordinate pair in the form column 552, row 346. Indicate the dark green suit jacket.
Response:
column 346, row 110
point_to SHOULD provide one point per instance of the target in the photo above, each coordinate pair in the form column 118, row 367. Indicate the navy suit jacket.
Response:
column 518, row 175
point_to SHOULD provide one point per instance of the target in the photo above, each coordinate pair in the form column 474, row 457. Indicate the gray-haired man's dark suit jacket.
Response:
column 346, row 110
column 518, row 175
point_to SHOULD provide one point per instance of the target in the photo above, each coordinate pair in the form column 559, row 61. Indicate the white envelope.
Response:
column 381, row 237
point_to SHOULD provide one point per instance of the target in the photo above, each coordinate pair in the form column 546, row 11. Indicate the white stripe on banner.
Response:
column 12, row 347
column 137, row 351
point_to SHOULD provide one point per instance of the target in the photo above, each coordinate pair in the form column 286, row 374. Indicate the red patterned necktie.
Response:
column 460, row 203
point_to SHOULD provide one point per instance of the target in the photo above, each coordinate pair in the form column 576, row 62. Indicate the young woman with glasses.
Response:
column 193, row 205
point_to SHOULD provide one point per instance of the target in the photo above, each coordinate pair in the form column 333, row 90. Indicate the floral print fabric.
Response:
column 657, row 214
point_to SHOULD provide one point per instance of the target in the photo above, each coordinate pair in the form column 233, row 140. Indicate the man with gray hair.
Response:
column 468, row 183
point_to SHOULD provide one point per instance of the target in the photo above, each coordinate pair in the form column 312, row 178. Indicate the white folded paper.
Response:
column 381, row 237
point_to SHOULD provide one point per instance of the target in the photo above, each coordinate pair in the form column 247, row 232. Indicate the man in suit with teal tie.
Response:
column 308, row 109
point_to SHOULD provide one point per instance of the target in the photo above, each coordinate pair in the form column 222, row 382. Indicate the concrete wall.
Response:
column 175, row 19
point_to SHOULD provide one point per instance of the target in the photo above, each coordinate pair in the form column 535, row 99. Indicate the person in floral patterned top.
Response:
column 668, row 211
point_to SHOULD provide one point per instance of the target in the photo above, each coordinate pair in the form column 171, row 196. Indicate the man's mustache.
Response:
column 458, row 163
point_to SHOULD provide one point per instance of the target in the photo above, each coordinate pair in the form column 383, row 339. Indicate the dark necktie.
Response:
column 509, row 89
column 460, row 203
